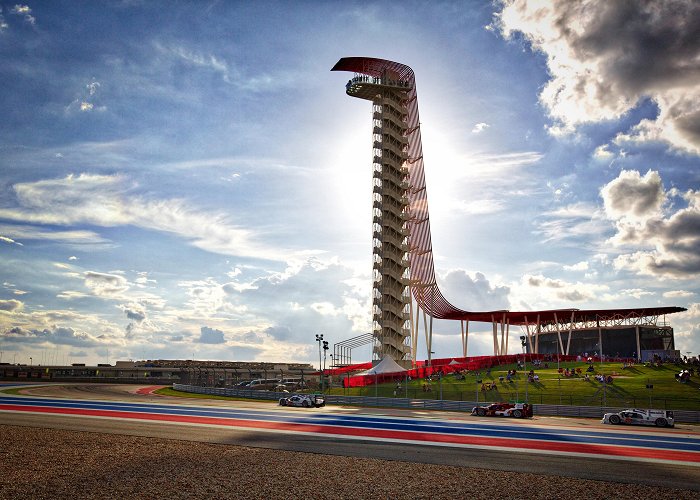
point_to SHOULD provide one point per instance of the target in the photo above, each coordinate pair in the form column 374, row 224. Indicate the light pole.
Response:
column 523, row 341
column 605, row 382
column 319, row 339
column 31, row 361
column 325, row 350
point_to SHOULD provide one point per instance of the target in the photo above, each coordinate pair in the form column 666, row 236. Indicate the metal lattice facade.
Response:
column 390, row 292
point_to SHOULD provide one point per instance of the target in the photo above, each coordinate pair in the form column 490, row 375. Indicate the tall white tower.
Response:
column 391, row 293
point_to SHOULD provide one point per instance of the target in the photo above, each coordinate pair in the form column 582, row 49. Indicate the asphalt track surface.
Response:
column 572, row 448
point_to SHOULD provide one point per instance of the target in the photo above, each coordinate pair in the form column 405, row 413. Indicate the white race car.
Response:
column 634, row 416
column 304, row 400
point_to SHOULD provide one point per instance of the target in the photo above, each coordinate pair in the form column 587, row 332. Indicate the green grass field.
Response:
column 636, row 386
column 629, row 387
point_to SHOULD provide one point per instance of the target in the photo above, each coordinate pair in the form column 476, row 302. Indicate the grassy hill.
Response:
column 637, row 385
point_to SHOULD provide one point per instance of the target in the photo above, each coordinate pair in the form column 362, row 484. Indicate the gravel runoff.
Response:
column 42, row 463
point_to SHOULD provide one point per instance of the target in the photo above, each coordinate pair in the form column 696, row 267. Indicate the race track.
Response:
column 581, row 449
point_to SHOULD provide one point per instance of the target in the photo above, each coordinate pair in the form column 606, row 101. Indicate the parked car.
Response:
column 635, row 416
column 515, row 410
column 263, row 384
column 304, row 400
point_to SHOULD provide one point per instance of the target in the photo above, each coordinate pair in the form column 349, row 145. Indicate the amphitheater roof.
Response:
column 564, row 315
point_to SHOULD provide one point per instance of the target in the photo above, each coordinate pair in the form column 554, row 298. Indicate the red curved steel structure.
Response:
column 423, row 284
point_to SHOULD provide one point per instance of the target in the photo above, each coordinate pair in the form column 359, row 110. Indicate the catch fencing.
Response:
column 684, row 416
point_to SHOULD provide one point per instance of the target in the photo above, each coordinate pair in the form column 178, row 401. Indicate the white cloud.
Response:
column 6, row 239
column 71, row 294
column 496, row 165
column 678, row 294
column 87, row 99
column 479, row 207
column 637, row 293
column 480, row 127
column 603, row 152
column 21, row 9
column 605, row 57
column 143, row 280
column 686, row 329
column 208, row 61
column 107, row 201
column 578, row 221
column 73, row 237
column 580, row 266
column 325, row 308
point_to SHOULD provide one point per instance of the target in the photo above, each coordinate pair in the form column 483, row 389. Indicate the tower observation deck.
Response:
column 403, row 268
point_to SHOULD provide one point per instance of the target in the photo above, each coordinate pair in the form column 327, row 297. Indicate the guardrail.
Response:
column 691, row 417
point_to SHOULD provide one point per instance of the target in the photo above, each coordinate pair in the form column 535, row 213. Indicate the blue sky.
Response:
column 189, row 179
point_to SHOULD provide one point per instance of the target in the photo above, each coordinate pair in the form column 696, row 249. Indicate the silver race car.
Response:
column 304, row 400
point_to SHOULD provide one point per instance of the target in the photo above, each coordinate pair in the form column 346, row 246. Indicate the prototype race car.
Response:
column 304, row 400
column 634, row 416
column 515, row 410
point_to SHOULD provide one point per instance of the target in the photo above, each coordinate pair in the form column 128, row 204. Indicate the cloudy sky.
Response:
column 188, row 179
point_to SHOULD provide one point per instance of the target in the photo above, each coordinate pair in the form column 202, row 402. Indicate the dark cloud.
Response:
column 135, row 314
column 56, row 335
column 653, row 43
column 279, row 332
column 253, row 338
column 631, row 195
column 606, row 57
column 474, row 293
column 574, row 296
column 11, row 305
column 541, row 281
column 103, row 284
column 666, row 245
column 211, row 336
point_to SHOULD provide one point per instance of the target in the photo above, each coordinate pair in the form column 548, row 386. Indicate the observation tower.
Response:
column 389, row 87
column 404, row 287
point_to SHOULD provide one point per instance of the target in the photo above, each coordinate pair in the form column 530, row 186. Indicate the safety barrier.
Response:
column 685, row 416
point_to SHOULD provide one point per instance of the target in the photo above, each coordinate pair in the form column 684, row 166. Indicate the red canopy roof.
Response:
column 562, row 315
